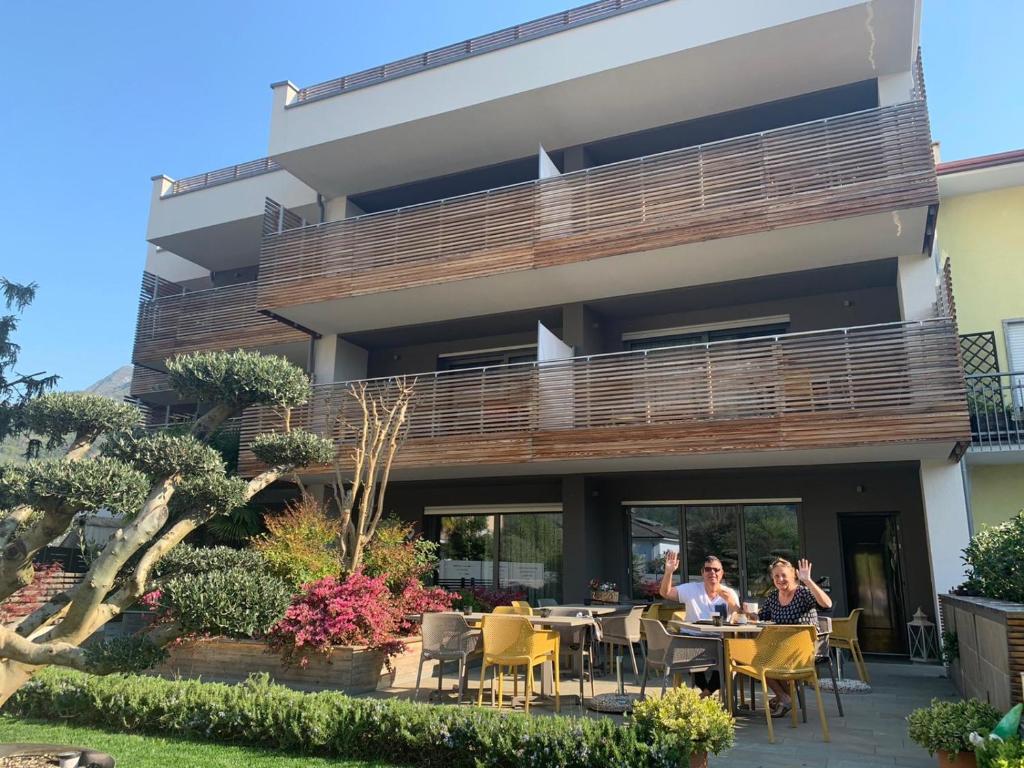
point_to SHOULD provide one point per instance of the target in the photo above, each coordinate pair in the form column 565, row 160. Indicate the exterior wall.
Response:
column 594, row 522
column 983, row 237
column 997, row 492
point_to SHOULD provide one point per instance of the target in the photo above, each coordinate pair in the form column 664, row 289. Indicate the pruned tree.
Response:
column 164, row 486
column 373, row 423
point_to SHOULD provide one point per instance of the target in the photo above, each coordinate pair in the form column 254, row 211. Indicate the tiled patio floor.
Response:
column 872, row 733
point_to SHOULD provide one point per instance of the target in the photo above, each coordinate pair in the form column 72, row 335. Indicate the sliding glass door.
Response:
column 746, row 537
column 512, row 550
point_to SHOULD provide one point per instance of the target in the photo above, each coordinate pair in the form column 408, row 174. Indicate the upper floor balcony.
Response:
column 214, row 219
column 881, row 392
column 604, row 69
column 173, row 320
column 854, row 187
column 996, row 403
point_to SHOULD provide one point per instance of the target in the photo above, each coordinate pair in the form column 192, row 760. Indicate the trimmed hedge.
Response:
column 331, row 724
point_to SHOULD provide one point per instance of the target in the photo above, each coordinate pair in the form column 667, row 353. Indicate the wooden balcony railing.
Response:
column 521, row 33
column 867, row 162
column 996, row 403
column 146, row 381
column 870, row 385
column 222, row 176
column 191, row 321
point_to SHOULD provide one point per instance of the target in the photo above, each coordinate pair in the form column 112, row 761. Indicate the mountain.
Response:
column 115, row 385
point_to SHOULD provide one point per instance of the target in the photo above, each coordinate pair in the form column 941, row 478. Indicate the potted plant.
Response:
column 944, row 728
column 604, row 591
column 683, row 728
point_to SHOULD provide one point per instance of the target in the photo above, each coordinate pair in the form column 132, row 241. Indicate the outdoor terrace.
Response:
column 876, row 161
column 996, row 401
column 887, row 384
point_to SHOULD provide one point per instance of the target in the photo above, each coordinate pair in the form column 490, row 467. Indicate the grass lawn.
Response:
column 157, row 751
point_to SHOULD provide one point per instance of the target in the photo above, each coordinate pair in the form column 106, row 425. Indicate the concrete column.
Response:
column 575, row 159
column 896, row 88
column 581, row 329
column 916, row 281
column 335, row 359
column 946, row 524
column 577, row 559
column 338, row 208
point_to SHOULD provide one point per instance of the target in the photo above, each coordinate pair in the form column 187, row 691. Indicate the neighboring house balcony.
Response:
column 996, row 403
column 173, row 320
column 855, row 187
column 148, row 383
column 872, row 393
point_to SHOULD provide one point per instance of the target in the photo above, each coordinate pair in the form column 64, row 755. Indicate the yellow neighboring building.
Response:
column 981, row 233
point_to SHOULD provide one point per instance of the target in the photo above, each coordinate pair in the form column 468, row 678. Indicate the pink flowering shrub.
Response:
column 415, row 598
column 485, row 600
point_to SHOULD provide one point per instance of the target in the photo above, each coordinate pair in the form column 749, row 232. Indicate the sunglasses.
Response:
column 711, row 569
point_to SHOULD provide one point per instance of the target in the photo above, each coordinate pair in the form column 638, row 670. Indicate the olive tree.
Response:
column 162, row 486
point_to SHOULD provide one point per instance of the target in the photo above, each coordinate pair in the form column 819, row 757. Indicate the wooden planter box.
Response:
column 990, row 634
column 350, row 669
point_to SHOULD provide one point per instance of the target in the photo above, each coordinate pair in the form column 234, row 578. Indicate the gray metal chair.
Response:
column 623, row 631
column 575, row 639
column 447, row 637
column 679, row 653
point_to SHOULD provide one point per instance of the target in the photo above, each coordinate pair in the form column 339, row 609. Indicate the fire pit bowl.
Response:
column 62, row 755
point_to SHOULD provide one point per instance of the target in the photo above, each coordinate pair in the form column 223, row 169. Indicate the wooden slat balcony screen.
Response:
column 147, row 381
column 217, row 318
column 866, row 162
column 844, row 387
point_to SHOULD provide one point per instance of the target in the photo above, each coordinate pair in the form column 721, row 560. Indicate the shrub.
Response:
column 682, row 723
column 995, row 568
column 331, row 724
column 945, row 725
column 235, row 602
column 1001, row 754
column 300, row 544
column 123, row 654
column 188, row 559
column 398, row 554
column 486, row 600
column 415, row 598
column 331, row 612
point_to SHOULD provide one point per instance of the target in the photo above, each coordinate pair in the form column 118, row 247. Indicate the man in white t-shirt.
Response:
column 702, row 599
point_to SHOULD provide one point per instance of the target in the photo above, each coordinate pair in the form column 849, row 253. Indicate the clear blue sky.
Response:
column 101, row 96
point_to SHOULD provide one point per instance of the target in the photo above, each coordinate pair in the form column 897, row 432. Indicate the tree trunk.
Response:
column 13, row 675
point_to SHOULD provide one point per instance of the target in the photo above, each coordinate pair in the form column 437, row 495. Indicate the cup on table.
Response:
column 750, row 609
column 716, row 619
column 467, row 610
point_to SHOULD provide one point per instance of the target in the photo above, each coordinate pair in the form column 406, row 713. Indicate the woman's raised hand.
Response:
column 803, row 570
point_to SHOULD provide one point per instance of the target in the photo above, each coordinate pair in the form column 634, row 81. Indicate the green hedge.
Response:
column 331, row 724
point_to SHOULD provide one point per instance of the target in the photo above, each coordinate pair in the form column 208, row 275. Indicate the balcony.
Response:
column 178, row 321
column 642, row 218
column 892, row 391
column 996, row 404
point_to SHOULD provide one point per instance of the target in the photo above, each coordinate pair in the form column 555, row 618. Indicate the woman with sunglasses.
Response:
column 795, row 600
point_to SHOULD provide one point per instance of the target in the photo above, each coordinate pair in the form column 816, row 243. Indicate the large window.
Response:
column 745, row 536
column 511, row 549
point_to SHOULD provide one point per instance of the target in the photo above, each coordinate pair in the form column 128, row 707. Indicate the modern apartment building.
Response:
column 982, row 236
column 661, row 272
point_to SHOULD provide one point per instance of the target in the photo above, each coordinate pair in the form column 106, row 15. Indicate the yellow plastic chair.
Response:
column 522, row 608
column 503, row 610
column 785, row 653
column 844, row 637
column 511, row 641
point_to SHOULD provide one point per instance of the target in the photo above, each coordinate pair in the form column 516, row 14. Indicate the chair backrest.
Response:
column 444, row 631
column 786, row 646
column 824, row 632
column 503, row 610
column 846, row 629
column 506, row 635
column 633, row 625
column 522, row 608
column 561, row 610
column 546, row 602
column 658, row 639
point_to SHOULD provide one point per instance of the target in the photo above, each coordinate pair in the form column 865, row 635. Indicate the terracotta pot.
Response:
column 699, row 760
column 960, row 760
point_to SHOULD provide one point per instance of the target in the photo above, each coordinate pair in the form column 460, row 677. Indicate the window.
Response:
column 1014, row 333
column 703, row 334
column 519, row 550
column 486, row 358
column 746, row 537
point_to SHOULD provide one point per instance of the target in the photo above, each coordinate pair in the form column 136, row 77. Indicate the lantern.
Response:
column 924, row 641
